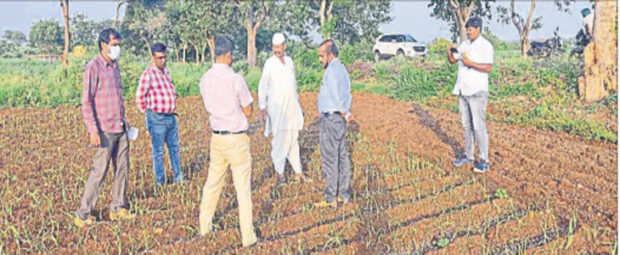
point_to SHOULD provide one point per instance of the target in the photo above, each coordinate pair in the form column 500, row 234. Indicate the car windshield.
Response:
column 408, row 38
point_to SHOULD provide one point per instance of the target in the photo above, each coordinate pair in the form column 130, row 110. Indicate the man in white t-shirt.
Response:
column 475, row 60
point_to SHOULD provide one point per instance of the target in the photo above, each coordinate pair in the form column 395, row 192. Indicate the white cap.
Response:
column 278, row 38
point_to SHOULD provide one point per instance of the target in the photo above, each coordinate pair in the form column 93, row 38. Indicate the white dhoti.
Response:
column 277, row 93
column 285, row 146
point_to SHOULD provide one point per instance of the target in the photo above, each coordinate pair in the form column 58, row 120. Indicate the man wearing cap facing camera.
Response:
column 278, row 102
column 475, row 60
column 229, row 103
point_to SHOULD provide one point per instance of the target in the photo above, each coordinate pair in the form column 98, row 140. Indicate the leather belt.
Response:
column 228, row 132
column 330, row 113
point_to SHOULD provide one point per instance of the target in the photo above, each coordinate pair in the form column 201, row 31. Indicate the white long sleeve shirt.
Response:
column 277, row 92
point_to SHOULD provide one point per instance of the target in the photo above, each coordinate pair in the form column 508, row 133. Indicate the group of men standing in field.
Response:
column 229, row 104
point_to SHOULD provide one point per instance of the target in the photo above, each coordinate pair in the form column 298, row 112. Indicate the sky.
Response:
column 409, row 16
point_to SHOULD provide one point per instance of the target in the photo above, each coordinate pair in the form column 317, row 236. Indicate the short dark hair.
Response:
column 104, row 36
column 223, row 45
column 158, row 47
column 474, row 22
column 331, row 48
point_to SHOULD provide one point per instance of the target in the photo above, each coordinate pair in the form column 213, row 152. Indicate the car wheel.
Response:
column 400, row 53
column 377, row 56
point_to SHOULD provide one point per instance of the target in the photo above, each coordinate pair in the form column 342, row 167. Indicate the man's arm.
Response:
column 480, row 67
column 451, row 58
column 143, row 87
column 486, row 66
column 244, row 96
column 88, row 113
column 247, row 110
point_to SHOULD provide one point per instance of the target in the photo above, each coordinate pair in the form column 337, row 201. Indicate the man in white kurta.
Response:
column 279, row 104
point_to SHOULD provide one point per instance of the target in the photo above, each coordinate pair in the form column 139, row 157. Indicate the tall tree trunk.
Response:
column 524, row 44
column 523, row 28
column 184, row 52
column 461, row 15
column 119, row 3
column 148, row 45
column 176, row 52
column 196, row 49
column 252, row 29
column 211, row 43
column 600, row 56
column 204, row 49
column 64, row 4
column 251, row 46
column 325, row 16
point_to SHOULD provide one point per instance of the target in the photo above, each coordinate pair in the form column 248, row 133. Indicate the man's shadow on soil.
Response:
column 428, row 121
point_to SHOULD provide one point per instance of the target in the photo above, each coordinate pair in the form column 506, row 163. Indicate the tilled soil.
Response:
column 407, row 197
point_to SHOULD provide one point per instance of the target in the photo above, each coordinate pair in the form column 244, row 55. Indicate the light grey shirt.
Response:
column 335, row 91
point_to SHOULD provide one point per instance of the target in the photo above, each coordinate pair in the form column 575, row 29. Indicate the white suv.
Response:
column 398, row 44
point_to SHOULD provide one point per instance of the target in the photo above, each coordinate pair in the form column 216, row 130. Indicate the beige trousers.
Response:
column 233, row 151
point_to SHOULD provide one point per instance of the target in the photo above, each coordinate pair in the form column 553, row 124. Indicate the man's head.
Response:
column 278, row 44
column 474, row 26
column 223, row 50
column 327, row 52
column 109, row 43
column 585, row 12
column 158, row 55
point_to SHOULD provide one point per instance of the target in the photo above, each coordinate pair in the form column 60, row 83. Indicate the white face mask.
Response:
column 114, row 52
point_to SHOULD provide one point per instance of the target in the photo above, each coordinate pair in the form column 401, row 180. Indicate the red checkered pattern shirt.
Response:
column 102, row 97
column 156, row 91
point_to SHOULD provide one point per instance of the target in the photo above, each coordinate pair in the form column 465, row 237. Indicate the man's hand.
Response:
column 262, row 114
column 467, row 62
column 448, row 49
column 451, row 58
column 95, row 140
column 349, row 119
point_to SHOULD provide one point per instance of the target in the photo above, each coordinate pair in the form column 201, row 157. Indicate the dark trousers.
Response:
column 335, row 155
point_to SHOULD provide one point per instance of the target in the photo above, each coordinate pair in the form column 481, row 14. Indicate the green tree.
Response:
column 457, row 12
column 86, row 32
column 254, row 13
column 64, row 5
column 11, row 43
column 46, row 36
column 16, row 38
column 143, row 23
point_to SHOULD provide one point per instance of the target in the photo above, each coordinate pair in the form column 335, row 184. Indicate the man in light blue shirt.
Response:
column 334, row 102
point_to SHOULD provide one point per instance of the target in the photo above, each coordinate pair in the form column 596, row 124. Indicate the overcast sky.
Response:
column 411, row 17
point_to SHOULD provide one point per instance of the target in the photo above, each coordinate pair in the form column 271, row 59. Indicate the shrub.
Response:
column 439, row 45
column 413, row 84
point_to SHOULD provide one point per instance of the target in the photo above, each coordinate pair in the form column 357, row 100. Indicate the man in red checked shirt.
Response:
column 104, row 116
column 156, row 97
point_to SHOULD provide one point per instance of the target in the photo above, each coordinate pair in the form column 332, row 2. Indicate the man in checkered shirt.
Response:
column 156, row 97
column 104, row 115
